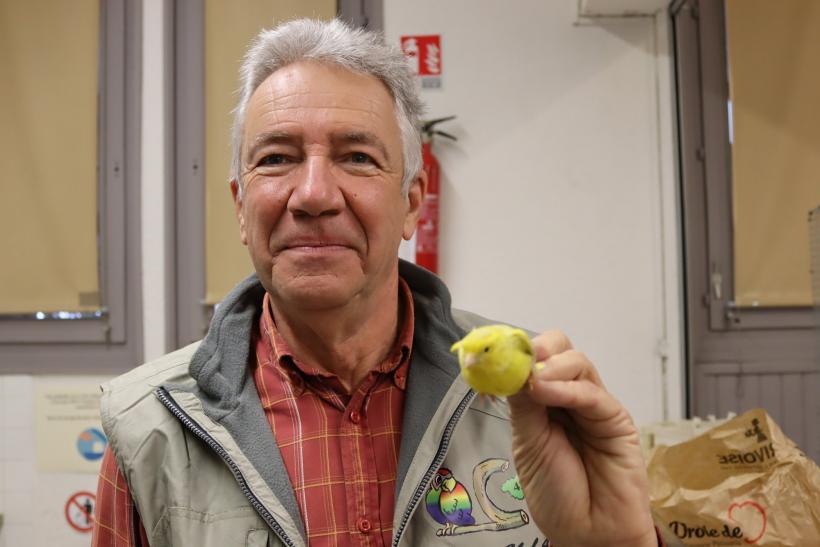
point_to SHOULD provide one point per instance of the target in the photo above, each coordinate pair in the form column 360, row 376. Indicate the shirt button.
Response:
column 364, row 525
column 355, row 417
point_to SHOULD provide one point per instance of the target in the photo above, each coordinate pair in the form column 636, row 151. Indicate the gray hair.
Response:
column 337, row 43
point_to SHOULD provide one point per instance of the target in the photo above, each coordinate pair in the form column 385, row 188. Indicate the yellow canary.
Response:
column 495, row 360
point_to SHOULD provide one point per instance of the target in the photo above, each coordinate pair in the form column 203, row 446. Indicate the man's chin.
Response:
column 315, row 292
column 317, row 302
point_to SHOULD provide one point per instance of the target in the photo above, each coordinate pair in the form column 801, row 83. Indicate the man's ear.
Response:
column 240, row 215
column 415, row 199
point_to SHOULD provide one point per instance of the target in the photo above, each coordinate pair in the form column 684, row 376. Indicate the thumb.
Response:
column 527, row 415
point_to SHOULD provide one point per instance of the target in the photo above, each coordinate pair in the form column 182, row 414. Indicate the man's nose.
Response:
column 317, row 192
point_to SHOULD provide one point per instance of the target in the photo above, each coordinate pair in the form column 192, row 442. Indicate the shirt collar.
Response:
column 298, row 373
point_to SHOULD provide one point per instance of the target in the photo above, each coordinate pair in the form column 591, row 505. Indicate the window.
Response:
column 774, row 134
column 70, row 292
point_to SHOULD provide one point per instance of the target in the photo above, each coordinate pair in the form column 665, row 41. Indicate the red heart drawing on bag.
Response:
column 749, row 516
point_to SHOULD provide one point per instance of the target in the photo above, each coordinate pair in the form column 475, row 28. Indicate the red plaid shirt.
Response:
column 340, row 449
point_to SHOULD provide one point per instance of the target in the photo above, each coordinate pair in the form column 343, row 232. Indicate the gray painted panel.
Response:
column 705, row 396
column 792, row 400
column 53, row 332
column 189, row 197
column 794, row 417
column 771, row 396
column 811, row 442
column 727, row 390
column 747, row 392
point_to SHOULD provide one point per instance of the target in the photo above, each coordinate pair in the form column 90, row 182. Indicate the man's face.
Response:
column 322, row 212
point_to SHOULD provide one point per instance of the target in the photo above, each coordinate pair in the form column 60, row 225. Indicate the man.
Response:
column 323, row 407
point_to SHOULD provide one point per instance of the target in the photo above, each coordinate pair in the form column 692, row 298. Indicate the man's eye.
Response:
column 273, row 159
column 360, row 157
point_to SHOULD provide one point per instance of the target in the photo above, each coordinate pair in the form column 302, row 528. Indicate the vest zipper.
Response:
column 438, row 459
column 166, row 399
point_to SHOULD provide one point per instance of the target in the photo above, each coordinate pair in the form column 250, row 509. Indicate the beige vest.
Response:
column 203, row 471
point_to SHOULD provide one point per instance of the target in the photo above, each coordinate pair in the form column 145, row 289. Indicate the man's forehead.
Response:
column 333, row 100
column 283, row 99
column 350, row 117
column 315, row 84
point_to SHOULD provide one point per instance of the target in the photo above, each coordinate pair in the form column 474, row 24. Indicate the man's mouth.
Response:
column 308, row 246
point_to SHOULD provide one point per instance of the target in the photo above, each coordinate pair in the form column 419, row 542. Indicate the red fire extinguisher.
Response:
column 427, row 232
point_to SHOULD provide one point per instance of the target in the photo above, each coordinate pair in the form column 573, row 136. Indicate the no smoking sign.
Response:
column 79, row 511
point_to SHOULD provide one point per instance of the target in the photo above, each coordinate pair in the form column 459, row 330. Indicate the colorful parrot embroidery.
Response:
column 448, row 502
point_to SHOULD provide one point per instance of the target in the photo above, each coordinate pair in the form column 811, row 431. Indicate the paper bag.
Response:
column 741, row 483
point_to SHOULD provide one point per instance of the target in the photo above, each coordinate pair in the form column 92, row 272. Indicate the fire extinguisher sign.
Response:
column 424, row 55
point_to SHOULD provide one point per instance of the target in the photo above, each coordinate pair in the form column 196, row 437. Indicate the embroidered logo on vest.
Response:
column 449, row 503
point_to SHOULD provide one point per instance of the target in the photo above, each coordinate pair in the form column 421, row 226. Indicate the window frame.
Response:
column 190, row 317
column 111, row 339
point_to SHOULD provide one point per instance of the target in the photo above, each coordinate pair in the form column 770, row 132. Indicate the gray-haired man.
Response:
column 323, row 407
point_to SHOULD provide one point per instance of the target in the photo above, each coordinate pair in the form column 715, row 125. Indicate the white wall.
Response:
column 558, row 206
column 33, row 502
column 153, row 172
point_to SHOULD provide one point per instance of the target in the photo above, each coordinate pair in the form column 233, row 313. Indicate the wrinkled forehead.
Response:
column 323, row 92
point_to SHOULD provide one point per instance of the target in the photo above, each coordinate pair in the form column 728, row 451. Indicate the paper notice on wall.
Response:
column 67, row 422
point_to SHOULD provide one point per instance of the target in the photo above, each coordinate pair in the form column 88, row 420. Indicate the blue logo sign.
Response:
column 91, row 444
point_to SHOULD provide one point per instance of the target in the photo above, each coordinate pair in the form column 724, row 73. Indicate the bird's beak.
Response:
column 470, row 360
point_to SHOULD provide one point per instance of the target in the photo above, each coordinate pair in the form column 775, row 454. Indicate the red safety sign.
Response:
column 79, row 511
column 424, row 55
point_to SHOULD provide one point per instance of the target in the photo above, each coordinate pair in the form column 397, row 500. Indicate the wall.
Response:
column 558, row 207
column 155, row 232
column 34, row 502
column 16, row 458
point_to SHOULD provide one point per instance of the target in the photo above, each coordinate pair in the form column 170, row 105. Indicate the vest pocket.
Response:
column 183, row 527
column 257, row 538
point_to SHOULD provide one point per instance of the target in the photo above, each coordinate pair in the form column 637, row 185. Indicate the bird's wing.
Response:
column 522, row 341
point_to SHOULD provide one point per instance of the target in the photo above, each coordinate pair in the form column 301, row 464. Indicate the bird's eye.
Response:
column 486, row 349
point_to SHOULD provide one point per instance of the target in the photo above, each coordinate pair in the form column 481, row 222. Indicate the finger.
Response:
column 551, row 342
column 584, row 397
column 569, row 365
